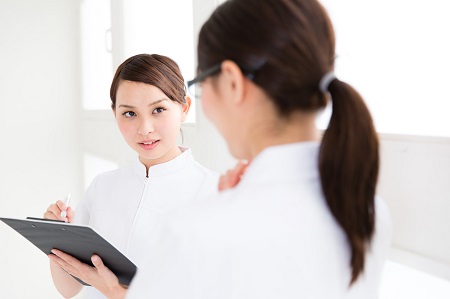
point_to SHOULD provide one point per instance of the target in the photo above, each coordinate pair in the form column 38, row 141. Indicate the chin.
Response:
column 238, row 153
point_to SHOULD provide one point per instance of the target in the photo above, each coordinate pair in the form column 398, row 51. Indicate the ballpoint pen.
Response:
column 64, row 213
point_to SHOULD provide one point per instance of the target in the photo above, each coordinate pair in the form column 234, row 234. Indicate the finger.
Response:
column 240, row 168
column 50, row 215
column 108, row 280
column 56, row 259
column 67, row 258
column 53, row 208
column 64, row 265
column 71, row 265
column 227, row 181
column 98, row 263
column 68, row 218
column 53, row 212
column 61, row 205
column 234, row 176
column 70, row 215
column 223, row 183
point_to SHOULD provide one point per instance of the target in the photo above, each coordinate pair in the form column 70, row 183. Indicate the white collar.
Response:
column 285, row 162
column 166, row 168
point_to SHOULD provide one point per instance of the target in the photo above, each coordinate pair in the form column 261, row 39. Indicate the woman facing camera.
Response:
column 128, row 205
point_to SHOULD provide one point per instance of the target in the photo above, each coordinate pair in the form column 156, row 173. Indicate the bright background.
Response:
column 58, row 58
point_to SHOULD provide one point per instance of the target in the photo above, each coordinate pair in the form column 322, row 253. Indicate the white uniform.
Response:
column 272, row 236
column 126, row 207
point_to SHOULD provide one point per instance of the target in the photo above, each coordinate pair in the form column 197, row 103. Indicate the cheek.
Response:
column 216, row 113
column 125, row 128
column 209, row 106
column 169, row 125
column 205, row 106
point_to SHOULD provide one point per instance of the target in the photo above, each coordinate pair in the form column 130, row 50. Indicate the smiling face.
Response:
column 149, row 121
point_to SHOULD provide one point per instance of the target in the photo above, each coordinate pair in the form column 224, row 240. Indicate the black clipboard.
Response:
column 79, row 241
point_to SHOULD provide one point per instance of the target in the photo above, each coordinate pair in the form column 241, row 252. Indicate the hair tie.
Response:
column 325, row 81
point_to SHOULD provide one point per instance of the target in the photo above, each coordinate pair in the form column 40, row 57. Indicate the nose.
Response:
column 145, row 127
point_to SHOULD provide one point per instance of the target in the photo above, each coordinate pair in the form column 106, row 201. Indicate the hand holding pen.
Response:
column 60, row 211
column 64, row 212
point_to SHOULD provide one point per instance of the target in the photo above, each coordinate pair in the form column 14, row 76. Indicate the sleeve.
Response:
column 83, row 210
column 169, row 271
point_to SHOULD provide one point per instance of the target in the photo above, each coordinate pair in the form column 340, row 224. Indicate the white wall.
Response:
column 40, row 158
column 415, row 181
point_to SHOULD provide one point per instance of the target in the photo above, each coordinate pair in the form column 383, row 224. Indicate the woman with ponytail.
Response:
column 303, row 221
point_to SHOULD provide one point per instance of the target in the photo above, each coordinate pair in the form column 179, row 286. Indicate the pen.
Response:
column 64, row 213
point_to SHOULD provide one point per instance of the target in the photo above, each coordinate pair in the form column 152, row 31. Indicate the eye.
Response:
column 158, row 110
column 129, row 114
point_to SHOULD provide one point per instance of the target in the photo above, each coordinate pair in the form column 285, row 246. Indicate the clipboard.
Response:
column 79, row 241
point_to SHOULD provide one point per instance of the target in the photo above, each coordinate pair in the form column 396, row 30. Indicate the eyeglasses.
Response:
column 195, row 88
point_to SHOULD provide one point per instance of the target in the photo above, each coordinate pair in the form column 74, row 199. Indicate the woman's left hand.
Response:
column 99, row 276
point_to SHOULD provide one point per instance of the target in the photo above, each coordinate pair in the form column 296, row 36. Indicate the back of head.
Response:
column 289, row 45
column 152, row 69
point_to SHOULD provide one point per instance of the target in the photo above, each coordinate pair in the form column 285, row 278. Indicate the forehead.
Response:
column 133, row 91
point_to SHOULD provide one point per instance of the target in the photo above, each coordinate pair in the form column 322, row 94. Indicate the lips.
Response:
column 148, row 144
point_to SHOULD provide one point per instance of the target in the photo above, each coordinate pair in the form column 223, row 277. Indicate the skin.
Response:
column 145, row 114
column 150, row 123
column 233, row 176
column 54, row 212
column 247, row 118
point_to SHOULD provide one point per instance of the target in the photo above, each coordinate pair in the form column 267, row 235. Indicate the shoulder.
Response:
column 210, row 223
column 110, row 179
column 125, row 170
column 199, row 175
column 196, row 168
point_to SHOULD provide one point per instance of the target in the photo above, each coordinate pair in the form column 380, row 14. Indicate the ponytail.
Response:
column 348, row 164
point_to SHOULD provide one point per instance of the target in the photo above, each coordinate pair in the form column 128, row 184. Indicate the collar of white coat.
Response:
column 166, row 168
column 287, row 162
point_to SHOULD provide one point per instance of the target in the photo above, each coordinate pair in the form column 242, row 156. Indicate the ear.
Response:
column 113, row 111
column 185, row 108
column 234, row 81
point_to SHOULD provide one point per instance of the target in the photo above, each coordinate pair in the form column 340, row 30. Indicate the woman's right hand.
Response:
column 233, row 176
column 54, row 212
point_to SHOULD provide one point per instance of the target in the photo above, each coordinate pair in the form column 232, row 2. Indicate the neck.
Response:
column 298, row 127
column 170, row 155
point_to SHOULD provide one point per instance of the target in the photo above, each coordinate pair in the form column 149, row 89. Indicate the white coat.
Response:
column 272, row 236
column 126, row 207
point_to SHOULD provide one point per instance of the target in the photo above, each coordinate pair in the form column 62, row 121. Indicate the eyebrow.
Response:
column 149, row 105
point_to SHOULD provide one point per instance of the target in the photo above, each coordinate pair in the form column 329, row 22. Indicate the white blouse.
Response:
column 273, row 236
column 126, row 207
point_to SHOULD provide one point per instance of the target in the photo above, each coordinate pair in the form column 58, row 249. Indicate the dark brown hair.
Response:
column 291, row 45
column 153, row 69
